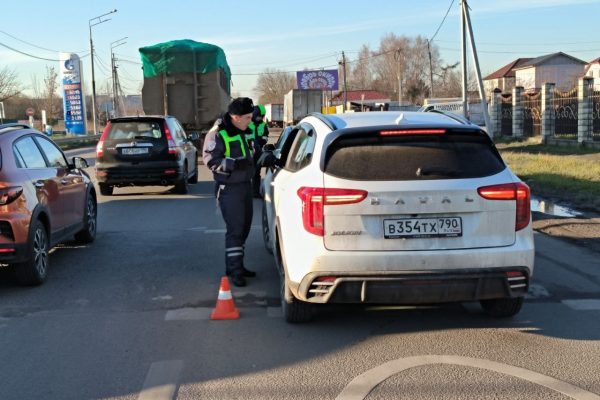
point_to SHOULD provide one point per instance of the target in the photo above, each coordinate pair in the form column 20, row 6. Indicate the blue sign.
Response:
column 73, row 97
column 323, row 79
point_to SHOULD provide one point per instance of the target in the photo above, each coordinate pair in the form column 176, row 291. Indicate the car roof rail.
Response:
column 324, row 120
column 449, row 114
column 14, row 125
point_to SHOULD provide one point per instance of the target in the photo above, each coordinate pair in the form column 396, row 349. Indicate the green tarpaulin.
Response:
column 184, row 55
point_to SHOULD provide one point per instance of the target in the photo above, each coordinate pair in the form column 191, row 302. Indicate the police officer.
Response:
column 257, row 139
column 227, row 154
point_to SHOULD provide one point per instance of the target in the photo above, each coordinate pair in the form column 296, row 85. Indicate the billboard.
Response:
column 73, row 98
column 323, row 79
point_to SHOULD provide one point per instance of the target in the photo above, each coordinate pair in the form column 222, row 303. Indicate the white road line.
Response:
column 162, row 380
column 360, row 387
column 188, row 314
column 225, row 230
column 583, row 304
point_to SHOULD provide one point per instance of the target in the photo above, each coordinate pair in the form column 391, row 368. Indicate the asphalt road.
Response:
column 127, row 318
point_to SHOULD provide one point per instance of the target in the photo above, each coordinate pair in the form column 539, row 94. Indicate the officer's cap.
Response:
column 241, row 106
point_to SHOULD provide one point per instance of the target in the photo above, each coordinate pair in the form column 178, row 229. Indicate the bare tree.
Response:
column 9, row 84
column 361, row 75
column 273, row 84
column 46, row 96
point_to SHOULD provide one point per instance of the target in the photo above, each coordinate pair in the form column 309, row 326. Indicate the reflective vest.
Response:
column 260, row 130
column 228, row 139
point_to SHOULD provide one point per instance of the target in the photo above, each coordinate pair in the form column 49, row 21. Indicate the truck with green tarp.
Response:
column 186, row 79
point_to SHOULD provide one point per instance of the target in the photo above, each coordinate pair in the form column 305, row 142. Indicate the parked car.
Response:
column 395, row 208
column 44, row 200
column 146, row 151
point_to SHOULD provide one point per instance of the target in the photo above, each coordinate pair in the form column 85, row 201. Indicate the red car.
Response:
column 44, row 200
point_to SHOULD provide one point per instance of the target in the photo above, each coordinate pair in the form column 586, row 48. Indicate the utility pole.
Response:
column 345, row 87
column 467, row 18
column 397, row 56
column 430, row 70
column 113, row 60
column 90, row 24
column 463, row 47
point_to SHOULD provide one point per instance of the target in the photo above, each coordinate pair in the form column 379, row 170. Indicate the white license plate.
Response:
column 130, row 151
column 422, row 227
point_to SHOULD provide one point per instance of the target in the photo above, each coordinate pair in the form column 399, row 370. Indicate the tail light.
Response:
column 511, row 191
column 400, row 132
column 100, row 146
column 10, row 194
column 172, row 145
column 315, row 199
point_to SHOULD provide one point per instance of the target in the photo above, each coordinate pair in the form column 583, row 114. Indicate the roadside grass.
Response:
column 570, row 174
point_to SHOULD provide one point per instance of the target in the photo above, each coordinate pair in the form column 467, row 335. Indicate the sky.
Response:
column 285, row 35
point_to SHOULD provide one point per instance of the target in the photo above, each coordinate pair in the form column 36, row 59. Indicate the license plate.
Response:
column 130, row 151
column 422, row 227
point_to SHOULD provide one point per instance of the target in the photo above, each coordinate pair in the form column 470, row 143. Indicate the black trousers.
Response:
column 235, row 201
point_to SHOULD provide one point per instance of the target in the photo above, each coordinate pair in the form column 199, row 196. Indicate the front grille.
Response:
column 6, row 230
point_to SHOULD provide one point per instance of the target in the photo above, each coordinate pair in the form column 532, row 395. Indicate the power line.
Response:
column 296, row 61
column 521, row 52
column 443, row 20
column 37, row 47
column 32, row 56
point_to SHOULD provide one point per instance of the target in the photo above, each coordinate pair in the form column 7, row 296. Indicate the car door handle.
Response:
column 64, row 181
column 38, row 184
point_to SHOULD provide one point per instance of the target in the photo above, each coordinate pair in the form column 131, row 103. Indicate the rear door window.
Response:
column 453, row 155
column 29, row 153
column 301, row 150
column 54, row 156
column 129, row 130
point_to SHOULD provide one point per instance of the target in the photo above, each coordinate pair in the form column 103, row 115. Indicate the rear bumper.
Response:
column 413, row 288
column 17, row 255
column 141, row 175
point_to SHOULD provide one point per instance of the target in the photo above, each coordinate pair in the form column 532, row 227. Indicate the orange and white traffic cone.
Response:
column 225, row 309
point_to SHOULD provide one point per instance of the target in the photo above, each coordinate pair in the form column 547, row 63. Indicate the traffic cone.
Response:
column 225, row 309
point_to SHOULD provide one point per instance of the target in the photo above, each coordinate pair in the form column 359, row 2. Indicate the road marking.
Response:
column 188, row 314
column 197, row 228
column 162, row 380
column 583, row 304
column 360, row 387
column 162, row 298
column 537, row 291
column 274, row 312
column 225, row 230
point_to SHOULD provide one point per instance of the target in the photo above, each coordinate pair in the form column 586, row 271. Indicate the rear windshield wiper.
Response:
column 439, row 171
column 145, row 137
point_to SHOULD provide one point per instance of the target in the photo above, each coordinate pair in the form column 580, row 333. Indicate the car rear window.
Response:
column 453, row 155
column 134, row 129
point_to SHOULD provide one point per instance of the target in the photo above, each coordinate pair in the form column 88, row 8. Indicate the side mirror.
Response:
column 193, row 136
column 80, row 162
column 267, row 159
column 269, row 147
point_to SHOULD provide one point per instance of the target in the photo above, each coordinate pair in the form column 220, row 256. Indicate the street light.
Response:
column 113, row 66
column 90, row 24
column 397, row 55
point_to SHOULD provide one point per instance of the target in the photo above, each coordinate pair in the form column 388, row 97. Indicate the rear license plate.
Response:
column 130, row 151
column 422, row 227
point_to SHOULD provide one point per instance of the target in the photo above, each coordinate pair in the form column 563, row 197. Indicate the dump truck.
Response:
column 188, row 80
column 298, row 103
column 274, row 115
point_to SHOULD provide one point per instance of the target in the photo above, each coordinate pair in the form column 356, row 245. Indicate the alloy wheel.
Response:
column 40, row 251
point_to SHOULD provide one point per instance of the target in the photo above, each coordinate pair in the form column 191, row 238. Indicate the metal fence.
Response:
column 532, row 113
column 566, row 107
column 596, row 115
column 506, row 120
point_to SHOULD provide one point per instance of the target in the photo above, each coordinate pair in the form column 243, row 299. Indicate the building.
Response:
column 593, row 71
column 559, row 68
column 504, row 78
column 360, row 100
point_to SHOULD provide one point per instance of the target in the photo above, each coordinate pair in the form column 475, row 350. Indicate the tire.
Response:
column 194, row 178
column 105, row 190
column 35, row 270
column 502, row 308
column 181, row 186
column 266, row 230
column 294, row 310
column 88, row 233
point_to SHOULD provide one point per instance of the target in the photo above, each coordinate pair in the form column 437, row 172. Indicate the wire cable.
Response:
column 38, row 47
column 442, row 23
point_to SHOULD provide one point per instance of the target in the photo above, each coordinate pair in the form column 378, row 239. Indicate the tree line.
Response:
column 378, row 69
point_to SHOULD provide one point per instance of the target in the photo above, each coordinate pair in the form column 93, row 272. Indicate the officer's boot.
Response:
column 234, row 257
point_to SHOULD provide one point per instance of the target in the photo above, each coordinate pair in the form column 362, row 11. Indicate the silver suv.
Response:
column 401, row 208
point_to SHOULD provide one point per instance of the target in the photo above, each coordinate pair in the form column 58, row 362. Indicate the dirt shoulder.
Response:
column 582, row 231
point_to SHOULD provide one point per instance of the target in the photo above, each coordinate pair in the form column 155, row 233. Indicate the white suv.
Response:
column 395, row 208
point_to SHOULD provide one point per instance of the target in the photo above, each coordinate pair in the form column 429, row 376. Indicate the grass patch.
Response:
column 567, row 173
